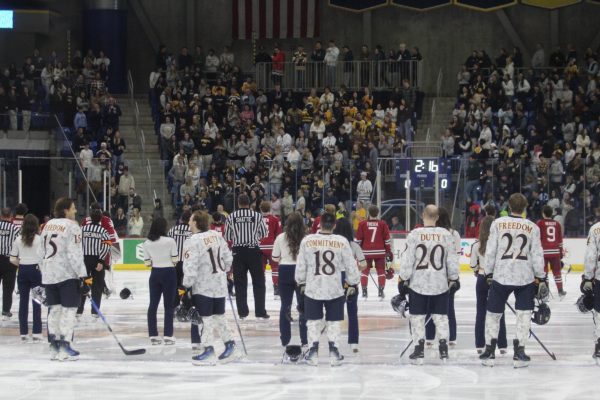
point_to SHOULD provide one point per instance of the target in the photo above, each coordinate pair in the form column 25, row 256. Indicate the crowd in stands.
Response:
column 534, row 130
column 220, row 135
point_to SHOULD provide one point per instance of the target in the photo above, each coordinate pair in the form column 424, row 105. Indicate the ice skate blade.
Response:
column 488, row 363
column 520, row 364
column 417, row 361
column 204, row 363
column 335, row 362
column 312, row 363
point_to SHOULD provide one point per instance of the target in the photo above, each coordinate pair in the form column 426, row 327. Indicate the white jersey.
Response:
column 429, row 260
column 514, row 251
column 592, row 254
column 321, row 260
column 477, row 259
column 63, row 258
column 206, row 261
column 28, row 255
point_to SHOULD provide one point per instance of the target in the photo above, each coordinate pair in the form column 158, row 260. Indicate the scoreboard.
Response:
column 422, row 172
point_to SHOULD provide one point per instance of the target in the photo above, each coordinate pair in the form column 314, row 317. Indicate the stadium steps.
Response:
column 138, row 160
column 436, row 126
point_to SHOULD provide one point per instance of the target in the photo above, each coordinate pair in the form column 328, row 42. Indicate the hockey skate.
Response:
column 443, row 348
column 155, row 340
column 354, row 347
column 66, row 353
column 208, row 357
column 335, row 358
column 561, row 294
column 54, row 347
column 37, row 338
column 230, row 353
column 365, row 293
column 521, row 360
column 417, row 356
column 6, row 315
column 488, row 357
column 312, row 356
column 597, row 353
column 24, row 339
column 381, row 294
column 169, row 340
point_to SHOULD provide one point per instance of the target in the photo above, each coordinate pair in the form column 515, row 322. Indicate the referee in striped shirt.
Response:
column 244, row 229
column 96, row 245
column 180, row 232
column 8, row 272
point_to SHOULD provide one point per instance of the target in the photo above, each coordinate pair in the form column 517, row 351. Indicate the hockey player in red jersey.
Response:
column 552, row 243
column 266, row 245
column 316, row 226
column 373, row 236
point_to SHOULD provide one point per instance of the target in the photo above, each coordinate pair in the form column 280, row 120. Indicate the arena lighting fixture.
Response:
column 6, row 19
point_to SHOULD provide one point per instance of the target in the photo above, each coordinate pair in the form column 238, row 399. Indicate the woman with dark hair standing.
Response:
column 343, row 227
column 27, row 252
column 444, row 222
column 160, row 253
column 482, row 288
column 285, row 251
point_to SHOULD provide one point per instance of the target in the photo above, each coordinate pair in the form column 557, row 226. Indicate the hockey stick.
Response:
column 135, row 352
column 552, row 356
column 237, row 324
column 411, row 341
column 374, row 281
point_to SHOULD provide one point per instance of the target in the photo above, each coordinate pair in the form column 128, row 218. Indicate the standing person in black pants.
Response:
column 27, row 253
column 244, row 229
column 8, row 272
column 285, row 252
column 96, row 245
column 160, row 253
column 180, row 232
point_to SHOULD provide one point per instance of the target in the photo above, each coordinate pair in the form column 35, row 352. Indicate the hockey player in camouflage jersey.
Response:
column 62, row 270
column 321, row 260
column 429, row 270
column 206, row 262
column 591, row 280
column 514, row 264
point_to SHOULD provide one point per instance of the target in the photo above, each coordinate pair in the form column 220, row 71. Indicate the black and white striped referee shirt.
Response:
column 245, row 228
column 95, row 241
column 8, row 234
column 180, row 232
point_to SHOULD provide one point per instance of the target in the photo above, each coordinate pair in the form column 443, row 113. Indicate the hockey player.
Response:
column 62, row 271
column 219, row 226
column 316, row 226
column 552, row 243
column 591, row 280
column 373, row 236
column 321, row 260
column 429, row 268
column 207, row 259
column 266, row 244
column 514, row 263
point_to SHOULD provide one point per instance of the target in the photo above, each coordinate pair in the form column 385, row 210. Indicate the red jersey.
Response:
column 373, row 236
column 316, row 225
column 551, row 237
column 18, row 221
column 107, row 224
column 219, row 228
column 273, row 229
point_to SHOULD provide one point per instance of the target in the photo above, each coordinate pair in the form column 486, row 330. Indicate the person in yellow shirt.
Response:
column 359, row 215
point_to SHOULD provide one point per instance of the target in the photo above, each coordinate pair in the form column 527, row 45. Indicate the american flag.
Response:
column 275, row 19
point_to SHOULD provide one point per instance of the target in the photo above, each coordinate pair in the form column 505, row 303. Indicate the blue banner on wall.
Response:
column 358, row 5
column 421, row 4
column 485, row 5
column 106, row 30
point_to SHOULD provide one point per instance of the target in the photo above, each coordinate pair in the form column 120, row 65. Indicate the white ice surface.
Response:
column 103, row 372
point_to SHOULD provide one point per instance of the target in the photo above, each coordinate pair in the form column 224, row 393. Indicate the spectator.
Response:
column 135, row 225
column 331, row 58
column 126, row 183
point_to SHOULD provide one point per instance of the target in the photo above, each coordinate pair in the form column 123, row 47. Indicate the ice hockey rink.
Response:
column 376, row 372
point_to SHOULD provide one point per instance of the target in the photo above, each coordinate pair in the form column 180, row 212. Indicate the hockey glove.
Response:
column 453, row 286
column 84, row 286
column 350, row 291
column 402, row 287
column 587, row 285
column 489, row 278
column 542, row 291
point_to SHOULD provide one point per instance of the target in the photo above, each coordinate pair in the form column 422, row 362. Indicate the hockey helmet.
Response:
column 181, row 313
column 194, row 317
column 389, row 273
column 38, row 294
column 585, row 302
column 400, row 305
column 125, row 294
column 541, row 314
column 293, row 352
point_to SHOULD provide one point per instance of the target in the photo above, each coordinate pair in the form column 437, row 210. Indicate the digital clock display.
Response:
column 422, row 172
